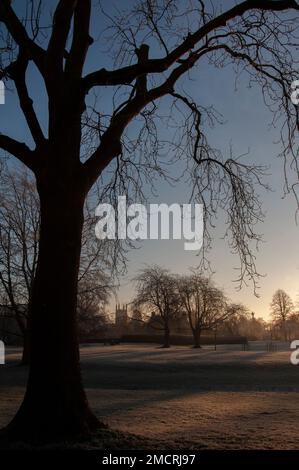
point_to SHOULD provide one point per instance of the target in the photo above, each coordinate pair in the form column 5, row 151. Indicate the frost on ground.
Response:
column 225, row 399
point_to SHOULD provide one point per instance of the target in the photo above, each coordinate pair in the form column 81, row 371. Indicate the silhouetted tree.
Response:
column 157, row 294
column 281, row 309
column 92, row 318
column 137, row 321
column 245, row 324
column 205, row 304
column 19, row 234
column 83, row 138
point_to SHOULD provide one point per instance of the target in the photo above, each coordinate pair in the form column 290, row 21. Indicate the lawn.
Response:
column 181, row 397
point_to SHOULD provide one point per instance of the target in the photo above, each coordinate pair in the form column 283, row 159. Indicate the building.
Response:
column 121, row 318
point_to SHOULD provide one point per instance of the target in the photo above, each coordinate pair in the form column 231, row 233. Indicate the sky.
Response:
column 277, row 258
column 247, row 128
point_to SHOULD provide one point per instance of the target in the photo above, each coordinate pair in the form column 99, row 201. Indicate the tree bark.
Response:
column 166, row 343
column 285, row 331
column 26, row 348
column 196, row 336
column 55, row 404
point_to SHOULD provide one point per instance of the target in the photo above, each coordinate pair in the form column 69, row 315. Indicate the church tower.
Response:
column 121, row 316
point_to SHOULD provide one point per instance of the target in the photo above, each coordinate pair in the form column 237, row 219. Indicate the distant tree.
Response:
column 19, row 235
column 281, row 309
column 204, row 303
column 257, row 329
column 237, row 324
column 244, row 323
column 137, row 320
column 92, row 318
column 292, row 326
column 156, row 292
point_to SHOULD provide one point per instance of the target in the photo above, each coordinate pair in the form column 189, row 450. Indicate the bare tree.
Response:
column 205, row 304
column 281, row 309
column 157, row 294
column 138, row 321
column 92, row 318
column 292, row 326
column 19, row 234
column 244, row 323
column 258, row 36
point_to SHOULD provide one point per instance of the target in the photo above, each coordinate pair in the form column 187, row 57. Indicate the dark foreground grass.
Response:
column 104, row 439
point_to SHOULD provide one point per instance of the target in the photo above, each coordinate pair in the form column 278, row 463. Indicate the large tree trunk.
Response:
column 26, row 348
column 55, row 403
column 196, row 336
column 285, row 331
column 23, row 324
column 166, row 343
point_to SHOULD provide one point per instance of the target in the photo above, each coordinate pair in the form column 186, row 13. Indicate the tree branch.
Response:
column 18, row 149
column 20, row 36
column 17, row 71
column 110, row 145
column 126, row 75
column 61, row 28
column 81, row 39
